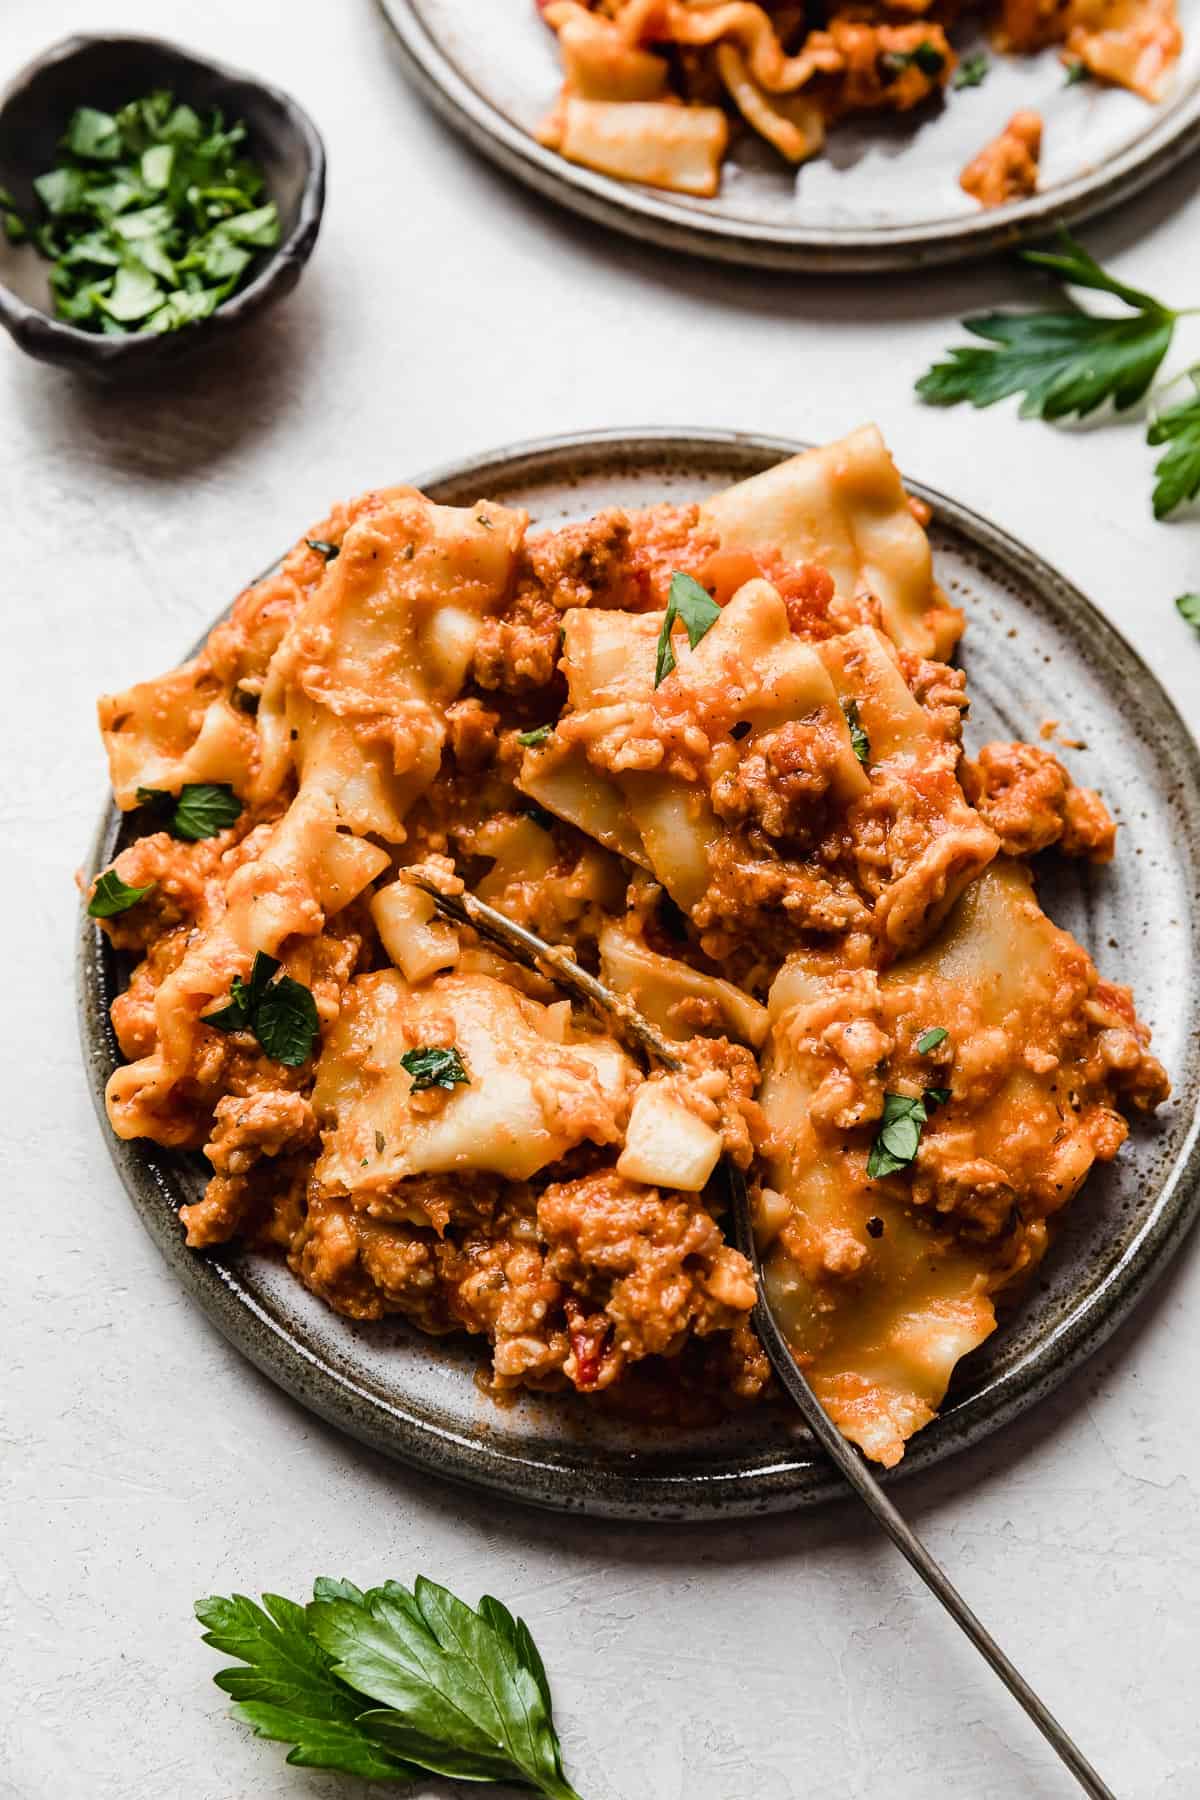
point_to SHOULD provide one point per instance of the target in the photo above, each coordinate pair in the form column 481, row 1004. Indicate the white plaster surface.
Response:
column 141, row 1461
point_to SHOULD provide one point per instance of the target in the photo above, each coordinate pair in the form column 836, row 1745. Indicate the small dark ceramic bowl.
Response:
column 106, row 72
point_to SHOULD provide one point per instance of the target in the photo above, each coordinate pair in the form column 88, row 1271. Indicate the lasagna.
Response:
column 715, row 752
column 653, row 89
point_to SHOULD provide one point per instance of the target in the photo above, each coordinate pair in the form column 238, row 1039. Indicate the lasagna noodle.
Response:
column 881, row 1316
column 356, row 693
column 528, row 1100
column 305, row 873
column 844, row 508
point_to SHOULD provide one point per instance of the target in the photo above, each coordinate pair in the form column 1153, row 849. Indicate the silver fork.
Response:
column 535, row 953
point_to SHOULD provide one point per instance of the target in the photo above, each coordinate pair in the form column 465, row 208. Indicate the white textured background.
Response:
column 143, row 1463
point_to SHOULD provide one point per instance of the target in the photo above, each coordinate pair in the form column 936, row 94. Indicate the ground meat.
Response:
column 655, row 1265
column 260, row 1124
column 754, row 892
column 582, row 565
column 517, row 650
column 781, row 783
column 366, row 1270
column 471, row 734
column 1029, row 800
column 1007, row 168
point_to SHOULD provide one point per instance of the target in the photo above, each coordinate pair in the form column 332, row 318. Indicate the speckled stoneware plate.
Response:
column 885, row 193
column 1034, row 649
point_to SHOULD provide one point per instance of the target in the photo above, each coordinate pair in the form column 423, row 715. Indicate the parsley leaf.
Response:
column 330, row 552
column 93, row 134
column 281, row 1014
column 972, row 71
column 203, row 809
column 929, row 1040
column 15, row 228
column 860, row 743
column 537, row 736
column 925, row 56
column 286, row 1022
column 1188, row 607
column 431, row 1067
column 698, row 612
column 111, row 896
column 1178, row 471
column 1063, row 363
column 1077, row 71
column 899, row 1132
column 455, row 1691
column 245, row 996
column 284, row 1689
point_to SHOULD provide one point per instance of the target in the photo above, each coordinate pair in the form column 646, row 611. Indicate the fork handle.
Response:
column 851, row 1464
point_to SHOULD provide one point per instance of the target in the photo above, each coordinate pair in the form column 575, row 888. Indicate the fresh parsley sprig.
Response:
column 696, row 611
column 1178, row 471
column 281, row 1014
column 391, row 1684
column 1066, row 364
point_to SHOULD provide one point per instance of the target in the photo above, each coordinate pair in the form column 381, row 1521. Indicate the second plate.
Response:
column 884, row 195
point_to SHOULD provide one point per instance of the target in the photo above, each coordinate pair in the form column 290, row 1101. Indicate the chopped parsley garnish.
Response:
column 432, row 1067
column 537, row 736
column 1077, row 71
column 899, row 1132
column 860, row 743
column 112, row 896
column 972, row 71
column 929, row 1040
column 151, row 218
column 281, row 1014
column 203, row 808
column 925, row 56
column 15, row 228
column 696, row 610
column 1188, row 607
column 392, row 1684
column 330, row 552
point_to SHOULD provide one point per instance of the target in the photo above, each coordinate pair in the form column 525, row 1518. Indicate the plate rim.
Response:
column 741, row 1483
column 654, row 217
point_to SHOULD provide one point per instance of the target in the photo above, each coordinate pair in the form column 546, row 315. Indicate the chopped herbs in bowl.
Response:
column 147, row 198
column 151, row 217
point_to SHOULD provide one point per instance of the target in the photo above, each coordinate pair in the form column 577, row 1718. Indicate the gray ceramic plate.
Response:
column 885, row 195
column 1034, row 649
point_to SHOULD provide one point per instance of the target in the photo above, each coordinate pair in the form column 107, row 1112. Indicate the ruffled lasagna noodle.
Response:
column 770, row 841
column 651, row 88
